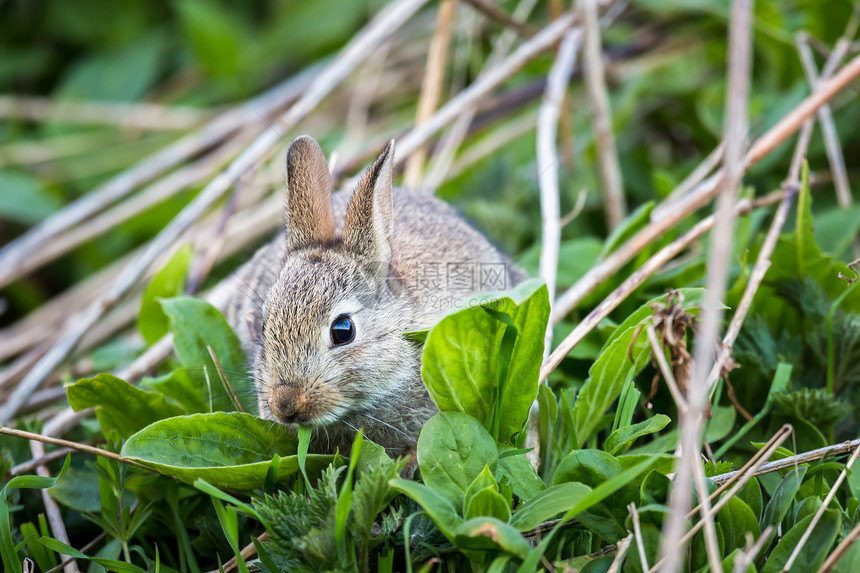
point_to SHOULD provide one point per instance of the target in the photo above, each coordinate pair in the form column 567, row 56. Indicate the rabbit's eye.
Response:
column 342, row 330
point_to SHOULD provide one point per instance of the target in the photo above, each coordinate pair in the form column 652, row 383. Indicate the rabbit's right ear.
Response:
column 369, row 216
column 309, row 217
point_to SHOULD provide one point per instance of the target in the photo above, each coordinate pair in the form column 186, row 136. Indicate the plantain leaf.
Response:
column 121, row 408
column 196, row 325
column 230, row 450
column 814, row 551
column 453, row 449
column 151, row 320
column 463, row 351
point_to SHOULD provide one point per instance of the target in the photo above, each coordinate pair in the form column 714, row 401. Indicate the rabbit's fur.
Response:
column 379, row 256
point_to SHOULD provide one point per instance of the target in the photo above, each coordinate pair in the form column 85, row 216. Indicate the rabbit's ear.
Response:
column 309, row 217
column 370, row 217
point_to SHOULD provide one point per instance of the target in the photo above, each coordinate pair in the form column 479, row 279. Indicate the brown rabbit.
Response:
column 343, row 283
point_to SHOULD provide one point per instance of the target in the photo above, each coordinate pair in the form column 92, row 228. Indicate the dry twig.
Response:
column 792, row 461
column 691, row 181
column 247, row 552
column 637, row 535
column 622, row 547
column 444, row 155
column 43, row 439
column 431, row 89
column 692, row 419
column 601, row 115
column 547, row 159
column 825, row 116
column 139, row 116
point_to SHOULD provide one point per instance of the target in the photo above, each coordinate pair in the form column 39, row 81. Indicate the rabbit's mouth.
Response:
column 305, row 405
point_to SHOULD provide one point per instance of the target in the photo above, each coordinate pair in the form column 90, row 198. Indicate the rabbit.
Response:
column 337, row 290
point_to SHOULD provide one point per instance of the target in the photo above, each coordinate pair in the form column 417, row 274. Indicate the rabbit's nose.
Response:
column 289, row 404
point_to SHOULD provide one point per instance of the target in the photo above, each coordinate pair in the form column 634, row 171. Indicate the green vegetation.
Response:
column 187, row 478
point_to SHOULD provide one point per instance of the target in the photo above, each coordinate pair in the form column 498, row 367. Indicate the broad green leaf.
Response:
column 836, row 228
column 798, row 255
column 229, row 450
column 737, row 519
column 437, row 507
column 609, row 371
column 79, row 490
column 372, row 455
column 651, row 543
column 848, row 562
column 490, row 534
column 122, row 409
column 750, row 493
column 807, row 507
column 606, row 379
column 782, row 497
column 854, row 481
column 196, row 325
column 547, row 504
column 721, row 423
column 520, row 473
column 487, row 502
column 462, row 352
column 620, row 440
column 482, row 481
column 188, row 389
column 814, row 551
column 453, row 448
column 655, row 489
column 151, row 320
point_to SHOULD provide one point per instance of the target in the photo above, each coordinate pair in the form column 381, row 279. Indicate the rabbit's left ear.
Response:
column 309, row 217
column 370, row 217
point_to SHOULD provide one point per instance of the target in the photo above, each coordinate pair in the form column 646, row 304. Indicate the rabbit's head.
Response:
column 331, row 343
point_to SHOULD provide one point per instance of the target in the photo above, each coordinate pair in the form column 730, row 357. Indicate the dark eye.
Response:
column 342, row 330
